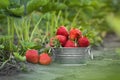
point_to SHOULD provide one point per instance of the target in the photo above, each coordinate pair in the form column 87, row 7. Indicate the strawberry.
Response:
column 83, row 42
column 32, row 56
column 70, row 43
column 62, row 31
column 60, row 38
column 44, row 59
column 74, row 33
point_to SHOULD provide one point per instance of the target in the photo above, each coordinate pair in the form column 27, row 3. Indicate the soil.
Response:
column 10, row 69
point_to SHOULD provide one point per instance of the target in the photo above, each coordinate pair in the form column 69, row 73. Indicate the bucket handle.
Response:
column 89, row 53
column 53, row 54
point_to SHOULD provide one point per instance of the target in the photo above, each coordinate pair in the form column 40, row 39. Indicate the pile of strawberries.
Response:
column 32, row 56
column 72, row 38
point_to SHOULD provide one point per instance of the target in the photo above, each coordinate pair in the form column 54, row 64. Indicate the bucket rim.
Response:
column 70, row 47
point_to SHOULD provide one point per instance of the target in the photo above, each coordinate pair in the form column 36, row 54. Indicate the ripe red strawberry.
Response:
column 60, row 38
column 83, row 42
column 32, row 56
column 74, row 33
column 62, row 31
column 45, row 59
column 70, row 43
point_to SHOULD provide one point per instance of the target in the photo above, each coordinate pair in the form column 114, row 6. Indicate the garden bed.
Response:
column 11, row 69
column 98, row 69
column 28, row 35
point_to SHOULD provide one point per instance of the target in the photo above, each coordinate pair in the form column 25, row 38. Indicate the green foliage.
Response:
column 16, row 11
column 114, row 22
column 53, row 6
column 4, row 4
column 4, row 48
column 19, row 57
column 20, row 8
column 90, row 14
column 35, row 4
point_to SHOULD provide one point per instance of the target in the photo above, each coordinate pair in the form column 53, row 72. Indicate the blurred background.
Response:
column 95, row 18
column 29, row 24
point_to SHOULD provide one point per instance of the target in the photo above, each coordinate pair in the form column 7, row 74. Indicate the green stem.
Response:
column 9, row 33
column 28, row 30
column 17, row 32
column 32, row 34
column 12, row 33
column 74, row 19
column 25, row 30
column 52, row 25
column 58, row 17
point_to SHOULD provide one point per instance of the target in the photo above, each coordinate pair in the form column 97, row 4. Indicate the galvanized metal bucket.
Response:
column 71, row 55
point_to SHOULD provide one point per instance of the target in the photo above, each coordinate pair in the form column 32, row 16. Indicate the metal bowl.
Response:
column 71, row 55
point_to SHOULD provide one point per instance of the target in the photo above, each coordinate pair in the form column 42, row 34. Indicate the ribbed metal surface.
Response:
column 70, row 55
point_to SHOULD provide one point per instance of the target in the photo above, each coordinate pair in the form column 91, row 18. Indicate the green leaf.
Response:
column 4, row 4
column 74, row 3
column 59, row 6
column 19, row 57
column 2, row 46
column 17, row 11
column 79, row 3
column 53, row 6
column 27, row 45
column 35, row 4
column 2, row 16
